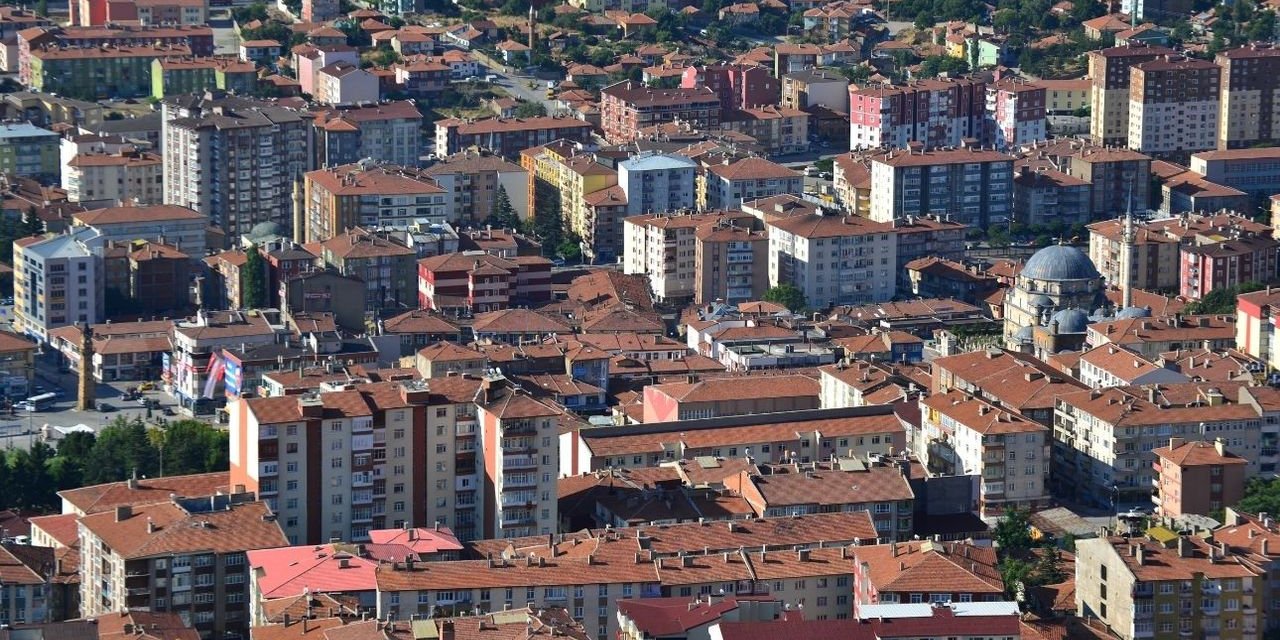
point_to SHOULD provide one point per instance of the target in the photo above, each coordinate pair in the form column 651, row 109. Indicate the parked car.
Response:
column 106, row 407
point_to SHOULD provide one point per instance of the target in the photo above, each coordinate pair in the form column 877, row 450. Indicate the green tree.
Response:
column 1222, row 300
column 503, row 215
column 1261, row 495
column 530, row 110
column 253, row 280
column 42, row 7
column 32, row 485
column 570, row 248
column 1016, row 574
column 122, row 449
column 787, row 295
column 31, row 223
column 932, row 66
column 191, row 446
column 1013, row 533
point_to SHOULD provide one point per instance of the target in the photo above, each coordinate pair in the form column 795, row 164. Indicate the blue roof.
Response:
column 24, row 130
column 1059, row 263
column 657, row 162
column 1071, row 321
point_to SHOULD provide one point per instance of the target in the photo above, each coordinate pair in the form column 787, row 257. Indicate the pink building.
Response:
column 936, row 113
column 739, row 86
column 1250, row 257
column 311, row 61
column 1017, row 110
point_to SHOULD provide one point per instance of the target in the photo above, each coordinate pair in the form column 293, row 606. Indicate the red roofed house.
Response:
column 925, row 571
column 1197, row 477
column 729, row 397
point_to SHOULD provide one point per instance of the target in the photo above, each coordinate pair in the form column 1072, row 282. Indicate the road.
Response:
column 517, row 85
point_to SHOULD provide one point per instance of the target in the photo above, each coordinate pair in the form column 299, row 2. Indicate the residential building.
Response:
column 1117, row 178
column 197, row 39
column 1017, row 109
column 779, row 130
column 370, row 196
column 1109, row 71
column 234, row 160
column 859, row 383
column 815, row 88
column 45, row 295
column 1255, row 537
column 184, row 554
column 1245, row 256
column 479, row 282
column 343, row 83
column 627, row 107
column 1135, row 420
column 961, row 434
column 720, row 397
column 970, row 186
column 731, row 261
column 78, row 71
column 389, row 132
column 833, row 258
column 934, row 113
column 1158, row 245
column 388, row 268
column 17, row 365
column 739, row 86
column 121, row 350
column 1173, row 106
column 471, row 181
column 418, row 328
column 727, row 185
column 29, row 151
column 663, row 247
column 175, row 75
column 1154, row 336
column 1252, row 171
column 1247, row 114
column 172, row 225
column 658, row 182
column 265, row 53
column 924, row 571
column 565, row 176
column 1045, row 196
column 126, row 175
column 1255, row 326
column 87, row 13
column 197, row 343
column 1112, row 366
column 1197, row 477
column 940, row 278
column 786, row 437
column 507, row 138
column 520, row 494
column 878, row 487
column 1014, row 381
column 1065, row 97
column 819, row 575
column 408, row 458
column 12, row 21
column 1136, row 584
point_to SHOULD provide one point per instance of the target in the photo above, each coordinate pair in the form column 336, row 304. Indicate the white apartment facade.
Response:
column 655, row 182
column 663, row 247
column 834, row 259
column 1174, row 105
column 57, row 281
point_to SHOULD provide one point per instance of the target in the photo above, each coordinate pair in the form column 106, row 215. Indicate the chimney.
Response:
column 1174, row 443
column 1220, row 447
column 123, row 512
column 446, row 630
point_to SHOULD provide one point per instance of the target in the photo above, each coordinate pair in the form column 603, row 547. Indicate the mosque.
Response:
column 1058, row 294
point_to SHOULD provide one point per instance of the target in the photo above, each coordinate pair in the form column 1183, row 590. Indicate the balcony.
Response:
column 518, row 519
column 519, row 462
column 519, row 480
column 514, row 499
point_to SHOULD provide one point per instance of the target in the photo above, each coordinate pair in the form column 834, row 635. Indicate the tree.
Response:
column 787, row 295
column 31, row 222
column 932, row 66
column 1261, row 496
column 253, row 280
column 503, row 215
column 570, row 248
column 1222, row 300
column 530, row 110
column 42, row 8
column 1016, row 574
column 121, row 450
column 1013, row 533
column 191, row 446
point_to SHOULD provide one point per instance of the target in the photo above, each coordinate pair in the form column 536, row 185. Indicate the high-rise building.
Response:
column 654, row 182
column 472, row 181
column 57, row 281
column 730, row 262
column 370, row 196
column 661, row 246
column 832, row 257
column 389, row 132
column 935, row 113
column 520, row 449
column 233, row 159
column 970, row 186
column 1250, row 113
column 1173, row 106
column 627, row 107
column 1017, row 112
column 1109, row 98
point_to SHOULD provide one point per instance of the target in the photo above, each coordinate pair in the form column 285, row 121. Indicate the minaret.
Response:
column 1128, row 239
column 531, row 43
column 299, row 213
column 85, row 391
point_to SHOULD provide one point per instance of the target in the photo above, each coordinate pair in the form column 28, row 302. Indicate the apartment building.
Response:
column 576, row 181
column 1158, row 245
column 833, row 258
column 233, row 159
column 184, row 555
column 1244, row 257
column 720, row 397
column 663, row 247
column 1111, row 366
column 26, row 597
column 1109, row 70
column 480, row 282
column 815, row 88
column 196, row 341
column 12, row 21
column 1247, row 117
column 1255, row 325
column 779, row 130
column 57, row 281
column 1014, row 381
column 628, row 107
column 728, row 184
column 1018, row 113
column 590, row 572
column 79, row 71
column 970, row 186
column 175, row 75
column 1173, row 106
column 29, row 151
column 1045, row 196
column 1255, row 537
column 1117, row 179
column 1154, row 336
column 1065, row 97
column 472, row 180
column 934, row 113
column 507, row 137
column 146, row 12
column 389, row 269
column 730, row 262
column 794, row 436
column 1103, row 438
column 517, row 437
column 127, row 175
column 658, row 182
column 387, row 454
column 1167, row 585
column 738, row 86
column 198, row 41
column 172, row 225
column 1197, row 477
column 1255, row 171
column 924, row 571
column 389, row 132
column 962, row 434
column 370, row 196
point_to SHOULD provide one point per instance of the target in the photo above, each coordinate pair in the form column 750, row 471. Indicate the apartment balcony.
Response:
column 518, row 520
column 519, row 480
column 1210, row 588
column 515, row 499
column 1144, row 591
column 519, row 462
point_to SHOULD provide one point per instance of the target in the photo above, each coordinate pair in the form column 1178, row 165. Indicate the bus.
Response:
column 40, row 402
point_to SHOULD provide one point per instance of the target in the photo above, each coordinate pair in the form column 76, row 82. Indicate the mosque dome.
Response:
column 1129, row 313
column 1060, row 263
column 1071, row 320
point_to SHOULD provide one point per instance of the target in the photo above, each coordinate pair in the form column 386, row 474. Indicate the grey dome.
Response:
column 266, row 230
column 1041, row 300
column 1024, row 335
column 1071, row 321
column 1129, row 313
column 1058, row 263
